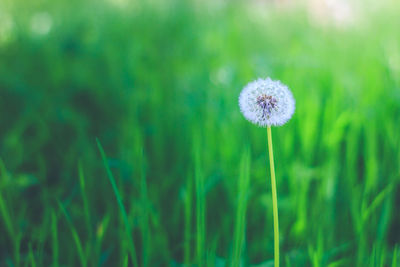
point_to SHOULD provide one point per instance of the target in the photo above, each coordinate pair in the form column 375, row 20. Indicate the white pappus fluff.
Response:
column 266, row 102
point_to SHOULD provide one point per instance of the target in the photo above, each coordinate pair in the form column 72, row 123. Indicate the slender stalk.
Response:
column 131, row 244
column 200, row 208
column 54, row 231
column 242, row 197
column 188, row 221
column 75, row 235
column 274, row 198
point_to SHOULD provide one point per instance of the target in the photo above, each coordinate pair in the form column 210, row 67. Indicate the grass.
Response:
column 131, row 245
column 54, row 235
column 183, row 182
column 240, row 219
column 75, row 236
column 200, row 205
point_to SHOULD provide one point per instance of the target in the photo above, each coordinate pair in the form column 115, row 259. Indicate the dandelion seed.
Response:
column 266, row 102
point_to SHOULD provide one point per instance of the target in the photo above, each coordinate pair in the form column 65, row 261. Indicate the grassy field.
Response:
column 122, row 143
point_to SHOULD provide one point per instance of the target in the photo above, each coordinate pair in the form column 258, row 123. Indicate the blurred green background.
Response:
column 157, row 82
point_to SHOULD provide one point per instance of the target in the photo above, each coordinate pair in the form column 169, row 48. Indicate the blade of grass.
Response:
column 84, row 198
column 31, row 256
column 5, row 214
column 339, row 263
column 200, row 204
column 145, row 217
column 100, row 231
column 188, row 220
column 395, row 256
column 243, row 184
column 88, row 247
column 287, row 259
column 125, row 264
column 376, row 202
column 131, row 244
column 54, row 234
column 75, row 235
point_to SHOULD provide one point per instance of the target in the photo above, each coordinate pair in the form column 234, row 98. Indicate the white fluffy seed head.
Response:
column 266, row 102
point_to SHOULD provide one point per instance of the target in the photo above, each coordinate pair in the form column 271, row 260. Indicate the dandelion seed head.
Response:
column 266, row 102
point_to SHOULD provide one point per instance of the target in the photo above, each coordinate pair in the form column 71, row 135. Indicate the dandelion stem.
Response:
column 274, row 198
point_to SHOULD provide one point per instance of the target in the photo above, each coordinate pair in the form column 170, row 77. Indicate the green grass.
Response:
column 131, row 245
column 185, row 182
column 240, row 220
column 200, row 204
column 75, row 236
column 54, row 236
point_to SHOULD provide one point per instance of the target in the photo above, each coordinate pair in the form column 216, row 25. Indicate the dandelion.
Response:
column 268, row 103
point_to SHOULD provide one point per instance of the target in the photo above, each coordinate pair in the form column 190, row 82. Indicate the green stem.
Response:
column 274, row 198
